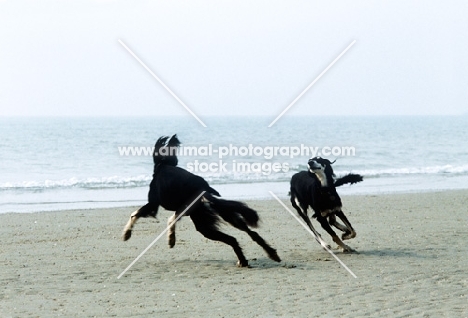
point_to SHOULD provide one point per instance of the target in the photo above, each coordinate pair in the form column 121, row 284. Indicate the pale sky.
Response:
column 63, row 58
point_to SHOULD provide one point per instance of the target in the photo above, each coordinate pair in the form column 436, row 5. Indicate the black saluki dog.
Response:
column 175, row 189
column 317, row 188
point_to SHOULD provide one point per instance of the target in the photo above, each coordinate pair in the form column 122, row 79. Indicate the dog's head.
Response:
column 318, row 164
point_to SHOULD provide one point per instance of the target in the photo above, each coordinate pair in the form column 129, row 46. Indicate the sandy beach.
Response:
column 412, row 262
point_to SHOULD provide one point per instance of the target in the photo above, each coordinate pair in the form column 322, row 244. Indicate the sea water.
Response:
column 50, row 163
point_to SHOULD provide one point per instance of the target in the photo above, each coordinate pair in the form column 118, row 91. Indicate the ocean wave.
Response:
column 388, row 172
column 114, row 182
column 431, row 170
column 86, row 183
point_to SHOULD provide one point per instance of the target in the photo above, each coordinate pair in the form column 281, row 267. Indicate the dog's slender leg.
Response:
column 241, row 225
column 326, row 226
column 171, row 233
column 260, row 241
column 127, row 231
column 332, row 220
column 303, row 214
column 349, row 233
column 207, row 227
column 227, row 239
column 317, row 235
column 144, row 211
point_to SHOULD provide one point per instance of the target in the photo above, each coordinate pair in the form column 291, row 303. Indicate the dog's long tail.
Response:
column 349, row 178
column 234, row 212
column 165, row 151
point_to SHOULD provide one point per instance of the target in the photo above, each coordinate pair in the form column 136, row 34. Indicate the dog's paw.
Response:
column 243, row 264
column 126, row 235
column 325, row 246
column 274, row 256
column 171, row 241
column 348, row 235
column 349, row 250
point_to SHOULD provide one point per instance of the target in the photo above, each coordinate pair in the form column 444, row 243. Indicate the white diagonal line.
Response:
column 159, row 236
column 161, row 82
column 311, row 84
column 324, row 245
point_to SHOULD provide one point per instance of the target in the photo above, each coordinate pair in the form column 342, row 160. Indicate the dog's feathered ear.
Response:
column 165, row 151
column 332, row 162
column 173, row 142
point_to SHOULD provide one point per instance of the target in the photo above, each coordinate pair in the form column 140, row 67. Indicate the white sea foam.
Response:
column 229, row 177
column 430, row 170
column 87, row 183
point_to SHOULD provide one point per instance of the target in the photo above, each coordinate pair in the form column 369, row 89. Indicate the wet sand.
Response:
column 412, row 262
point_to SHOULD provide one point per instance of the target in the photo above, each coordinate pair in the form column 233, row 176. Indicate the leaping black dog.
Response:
column 317, row 188
column 174, row 189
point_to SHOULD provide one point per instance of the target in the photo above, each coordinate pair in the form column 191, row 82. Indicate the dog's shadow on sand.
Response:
column 218, row 264
column 256, row 263
column 387, row 252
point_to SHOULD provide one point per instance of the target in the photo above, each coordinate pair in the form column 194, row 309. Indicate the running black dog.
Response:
column 175, row 189
column 317, row 188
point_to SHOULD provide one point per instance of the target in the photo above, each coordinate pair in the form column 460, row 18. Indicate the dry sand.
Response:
column 413, row 262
